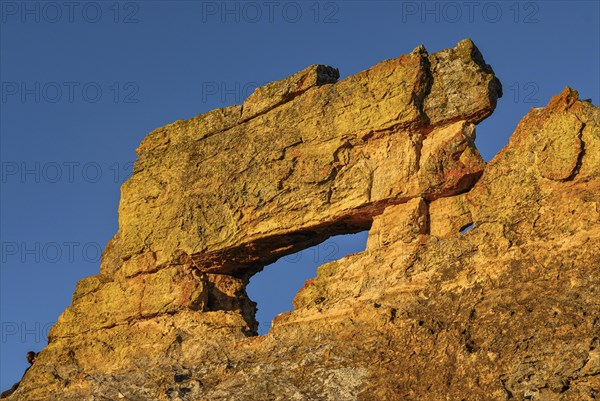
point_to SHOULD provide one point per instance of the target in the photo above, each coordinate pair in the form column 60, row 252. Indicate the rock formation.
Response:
column 507, row 310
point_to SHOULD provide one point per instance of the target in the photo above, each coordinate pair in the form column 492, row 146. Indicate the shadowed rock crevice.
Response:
column 580, row 155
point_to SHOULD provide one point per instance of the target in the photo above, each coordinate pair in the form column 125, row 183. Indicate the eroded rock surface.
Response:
column 507, row 310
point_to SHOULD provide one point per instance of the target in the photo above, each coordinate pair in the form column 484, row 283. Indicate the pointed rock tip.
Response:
column 420, row 50
column 466, row 43
column 467, row 48
column 563, row 100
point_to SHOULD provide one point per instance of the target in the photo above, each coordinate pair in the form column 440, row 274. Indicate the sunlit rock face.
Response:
column 507, row 310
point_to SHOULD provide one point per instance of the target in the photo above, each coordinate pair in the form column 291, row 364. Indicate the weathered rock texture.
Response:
column 507, row 310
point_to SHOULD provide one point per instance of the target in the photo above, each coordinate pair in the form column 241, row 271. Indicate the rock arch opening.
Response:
column 274, row 288
column 466, row 228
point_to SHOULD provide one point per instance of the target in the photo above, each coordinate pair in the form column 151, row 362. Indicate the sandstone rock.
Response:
column 449, row 215
column 508, row 310
column 236, row 196
column 276, row 93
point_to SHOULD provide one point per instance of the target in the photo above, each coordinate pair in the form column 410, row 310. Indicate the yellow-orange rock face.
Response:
column 507, row 310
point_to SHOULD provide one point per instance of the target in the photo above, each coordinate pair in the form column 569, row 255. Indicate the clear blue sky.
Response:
column 84, row 82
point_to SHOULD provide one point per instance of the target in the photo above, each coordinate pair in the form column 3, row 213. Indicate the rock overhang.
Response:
column 304, row 158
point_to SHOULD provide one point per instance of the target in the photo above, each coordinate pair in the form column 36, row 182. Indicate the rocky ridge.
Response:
column 507, row 310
